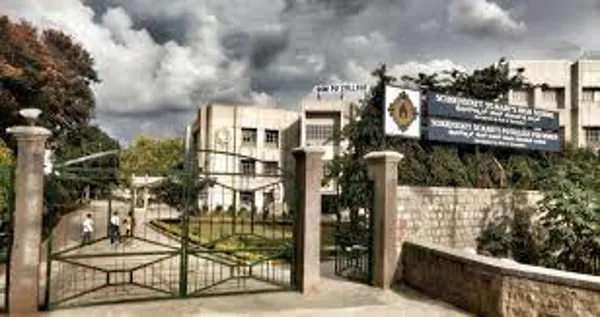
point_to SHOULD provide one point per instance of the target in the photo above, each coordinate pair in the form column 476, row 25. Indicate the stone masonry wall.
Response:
column 453, row 217
column 491, row 287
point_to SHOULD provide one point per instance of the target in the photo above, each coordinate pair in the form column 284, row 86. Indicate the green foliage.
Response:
column 6, row 154
column 46, row 70
column 428, row 163
column 571, row 214
column 514, row 236
column 564, row 232
column 152, row 156
column 181, row 191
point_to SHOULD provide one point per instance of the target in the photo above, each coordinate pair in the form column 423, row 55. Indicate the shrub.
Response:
column 204, row 209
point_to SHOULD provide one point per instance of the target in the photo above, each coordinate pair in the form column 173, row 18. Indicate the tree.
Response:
column 48, row 71
column 85, row 140
column 6, row 155
column 425, row 163
column 562, row 232
column 97, row 174
column 6, row 179
column 181, row 190
column 152, row 156
column 571, row 213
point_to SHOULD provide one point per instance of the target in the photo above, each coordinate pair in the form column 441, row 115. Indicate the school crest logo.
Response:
column 403, row 111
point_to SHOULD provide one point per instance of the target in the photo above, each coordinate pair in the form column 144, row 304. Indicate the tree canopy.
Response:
column 6, row 155
column 154, row 156
column 429, row 163
column 47, row 70
column 564, row 232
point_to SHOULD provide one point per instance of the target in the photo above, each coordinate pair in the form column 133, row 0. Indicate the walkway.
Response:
column 335, row 298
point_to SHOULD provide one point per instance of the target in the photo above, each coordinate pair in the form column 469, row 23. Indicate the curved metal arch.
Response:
column 87, row 158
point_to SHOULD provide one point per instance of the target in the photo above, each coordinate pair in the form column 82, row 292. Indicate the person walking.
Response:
column 88, row 229
column 128, row 223
column 115, row 228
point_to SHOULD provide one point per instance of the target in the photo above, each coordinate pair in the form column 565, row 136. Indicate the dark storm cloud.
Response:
column 340, row 8
column 267, row 46
column 162, row 29
column 237, row 44
column 228, row 50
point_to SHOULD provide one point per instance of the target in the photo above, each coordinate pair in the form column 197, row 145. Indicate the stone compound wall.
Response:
column 492, row 287
column 453, row 217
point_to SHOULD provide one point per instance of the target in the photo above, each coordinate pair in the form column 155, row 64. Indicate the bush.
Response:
column 515, row 237
column 204, row 209
column 565, row 233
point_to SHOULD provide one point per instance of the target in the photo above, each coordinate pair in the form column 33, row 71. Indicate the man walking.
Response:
column 115, row 228
column 88, row 229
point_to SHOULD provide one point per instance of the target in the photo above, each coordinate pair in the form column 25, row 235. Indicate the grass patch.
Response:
column 218, row 234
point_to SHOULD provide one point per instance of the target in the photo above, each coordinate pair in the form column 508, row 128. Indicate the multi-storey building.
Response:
column 325, row 112
column 242, row 145
column 572, row 88
column 246, row 149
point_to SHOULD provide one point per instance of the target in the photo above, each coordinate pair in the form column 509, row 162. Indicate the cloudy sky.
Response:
column 160, row 59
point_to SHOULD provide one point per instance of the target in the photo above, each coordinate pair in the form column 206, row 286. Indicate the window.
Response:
column 268, row 199
column 326, row 168
column 549, row 95
column 272, row 138
column 270, row 168
column 247, row 198
column 554, row 97
column 592, row 135
column 521, row 97
column 590, row 95
column 248, row 137
column 248, row 167
column 319, row 132
column 561, row 133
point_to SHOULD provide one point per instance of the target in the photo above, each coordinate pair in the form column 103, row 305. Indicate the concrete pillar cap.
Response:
column 391, row 156
column 29, row 131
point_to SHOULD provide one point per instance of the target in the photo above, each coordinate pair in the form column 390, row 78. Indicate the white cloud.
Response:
column 483, row 18
column 138, row 75
column 374, row 41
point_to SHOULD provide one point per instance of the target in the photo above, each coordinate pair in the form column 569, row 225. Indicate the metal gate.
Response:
column 181, row 233
column 354, row 241
column 6, row 229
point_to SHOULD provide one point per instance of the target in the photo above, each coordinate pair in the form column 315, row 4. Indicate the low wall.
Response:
column 454, row 217
column 492, row 287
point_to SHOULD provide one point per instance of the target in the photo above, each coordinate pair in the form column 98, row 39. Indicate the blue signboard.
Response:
column 445, row 130
column 468, row 109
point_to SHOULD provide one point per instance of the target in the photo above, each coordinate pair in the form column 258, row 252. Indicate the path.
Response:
column 139, row 269
column 335, row 298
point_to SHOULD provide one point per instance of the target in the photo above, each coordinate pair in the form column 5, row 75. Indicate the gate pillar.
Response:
column 383, row 170
column 24, row 277
column 307, row 218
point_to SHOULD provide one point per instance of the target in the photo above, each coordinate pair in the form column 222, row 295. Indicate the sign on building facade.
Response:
column 470, row 121
column 446, row 106
column 454, row 131
column 402, row 113
column 339, row 88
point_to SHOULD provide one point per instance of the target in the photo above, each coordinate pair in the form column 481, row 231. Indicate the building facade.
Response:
column 246, row 150
column 324, row 114
column 572, row 88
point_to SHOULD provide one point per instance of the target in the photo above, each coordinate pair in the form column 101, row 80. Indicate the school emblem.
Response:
column 403, row 111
